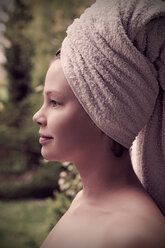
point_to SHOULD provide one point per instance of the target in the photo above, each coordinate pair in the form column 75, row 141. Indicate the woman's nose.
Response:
column 39, row 118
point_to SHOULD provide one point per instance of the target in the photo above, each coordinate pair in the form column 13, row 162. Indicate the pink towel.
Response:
column 114, row 60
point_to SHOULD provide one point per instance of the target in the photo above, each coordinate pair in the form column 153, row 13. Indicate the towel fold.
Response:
column 114, row 60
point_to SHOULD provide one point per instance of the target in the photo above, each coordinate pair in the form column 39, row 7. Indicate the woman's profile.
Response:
column 103, row 91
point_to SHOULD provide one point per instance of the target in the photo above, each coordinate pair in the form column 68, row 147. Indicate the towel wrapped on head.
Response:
column 114, row 60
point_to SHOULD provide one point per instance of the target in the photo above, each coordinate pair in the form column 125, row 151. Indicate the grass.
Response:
column 22, row 224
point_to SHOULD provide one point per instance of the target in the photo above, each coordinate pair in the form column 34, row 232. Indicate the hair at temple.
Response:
column 116, row 148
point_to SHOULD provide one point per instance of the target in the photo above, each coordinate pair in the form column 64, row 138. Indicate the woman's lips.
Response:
column 45, row 139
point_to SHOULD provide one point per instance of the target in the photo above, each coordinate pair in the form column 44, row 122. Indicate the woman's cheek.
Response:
column 61, row 125
column 68, row 129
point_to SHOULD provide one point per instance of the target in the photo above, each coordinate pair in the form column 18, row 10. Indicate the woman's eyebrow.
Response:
column 57, row 93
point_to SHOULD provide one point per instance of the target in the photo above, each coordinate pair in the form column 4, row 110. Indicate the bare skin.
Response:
column 113, row 210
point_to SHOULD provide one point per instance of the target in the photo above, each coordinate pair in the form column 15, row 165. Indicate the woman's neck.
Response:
column 102, row 173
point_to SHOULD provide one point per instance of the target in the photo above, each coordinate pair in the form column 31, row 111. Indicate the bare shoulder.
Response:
column 128, row 230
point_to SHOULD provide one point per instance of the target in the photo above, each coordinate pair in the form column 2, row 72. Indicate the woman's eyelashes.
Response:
column 54, row 103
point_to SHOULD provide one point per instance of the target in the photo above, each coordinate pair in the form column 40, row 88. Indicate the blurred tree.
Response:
column 19, row 151
column 19, row 59
column 35, row 30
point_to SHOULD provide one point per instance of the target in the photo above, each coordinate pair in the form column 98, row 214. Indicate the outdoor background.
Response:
column 34, row 193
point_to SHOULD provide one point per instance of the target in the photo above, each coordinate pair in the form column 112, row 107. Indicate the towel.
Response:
column 113, row 58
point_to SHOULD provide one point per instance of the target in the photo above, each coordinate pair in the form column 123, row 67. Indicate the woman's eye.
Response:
column 54, row 103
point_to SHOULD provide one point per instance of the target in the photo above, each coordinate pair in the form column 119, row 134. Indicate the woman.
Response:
column 104, row 90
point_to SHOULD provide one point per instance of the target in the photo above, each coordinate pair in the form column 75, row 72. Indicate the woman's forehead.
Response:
column 55, row 81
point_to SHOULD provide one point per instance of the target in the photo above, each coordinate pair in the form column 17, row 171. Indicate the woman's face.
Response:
column 66, row 131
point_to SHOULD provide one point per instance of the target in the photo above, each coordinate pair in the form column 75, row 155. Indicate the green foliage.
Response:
column 69, row 180
column 18, row 67
column 18, row 54
column 21, row 171
column 38, row 183
column 23, row 224
column 35, row 30
column 16, row 143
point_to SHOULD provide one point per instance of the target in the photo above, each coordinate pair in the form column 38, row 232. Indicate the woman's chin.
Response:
column 50, row 156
